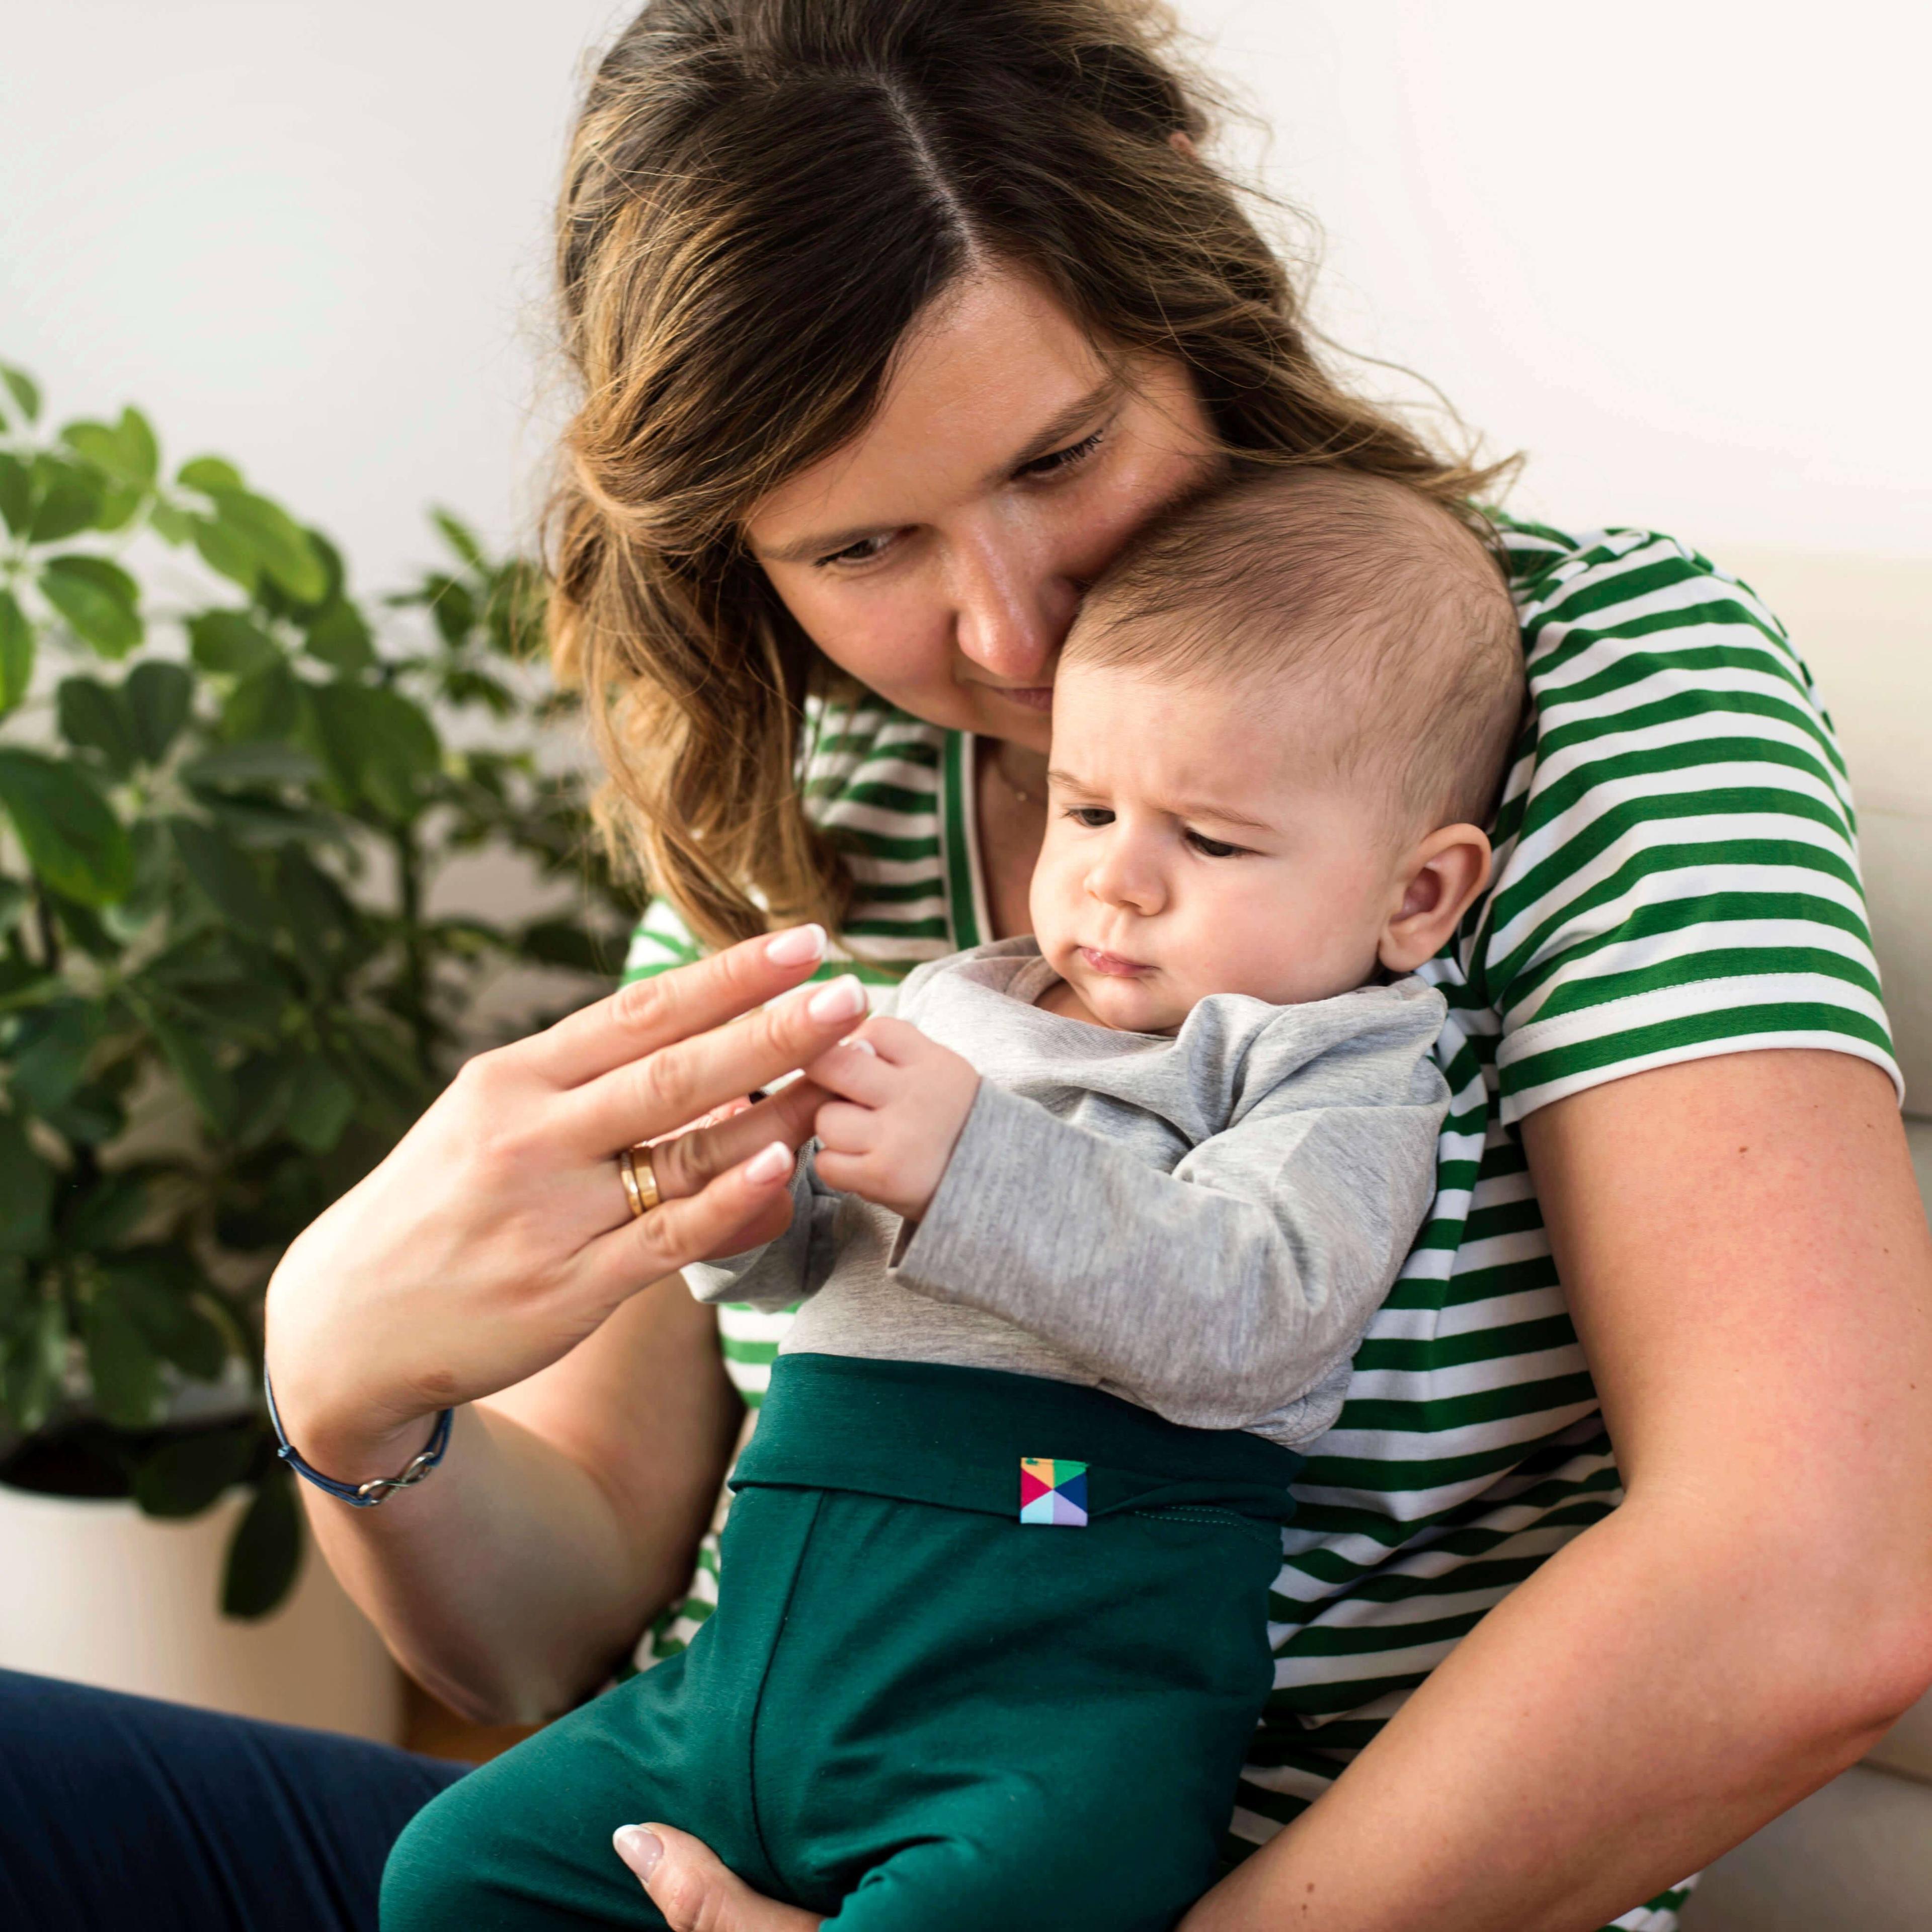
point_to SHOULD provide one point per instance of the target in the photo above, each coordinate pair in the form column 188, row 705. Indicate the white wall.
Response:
column 309, row 234
column 1676, row 252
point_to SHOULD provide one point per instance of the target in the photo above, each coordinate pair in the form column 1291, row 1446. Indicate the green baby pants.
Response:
column 912, row 1709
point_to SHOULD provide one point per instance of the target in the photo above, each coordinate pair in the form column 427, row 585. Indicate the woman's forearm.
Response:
column 511, row 1581
column 1634, row 1709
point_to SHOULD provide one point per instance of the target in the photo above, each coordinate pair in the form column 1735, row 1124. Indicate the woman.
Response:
column 895, row 318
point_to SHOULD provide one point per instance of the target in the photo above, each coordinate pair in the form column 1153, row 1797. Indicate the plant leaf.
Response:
column 454, row 610
column 125, row 1371
column 460, row 537
column 157, row 1286
column 340, row 637
column 14, row 1302
column 267, row 706
column 16, row 493
column 221, row 549
column 265, row 1556
column 315, row 906
column 379, row 745
column 92, row 1115
column 263, row 1085
column 50, row 1051
column 276, row 542
column 92, row 716
column 170, row 522
column 17, row 652
column 199, row 1072
column 230, row 643
column 34, row 1364
column 72, row 838
column 67, row 498
column 260, row 762
column 224, row 875
column 185, row 1477
column 153, row 874
column 98, row 598
column 140, row 445
column 321, row 1105
column 24, row 389
column 159, row 696
column 110, row 1212
column 208, row 474
column 26, row 1191
column 125, row 451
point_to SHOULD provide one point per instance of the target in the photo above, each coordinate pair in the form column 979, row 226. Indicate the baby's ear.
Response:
column 1440, row 879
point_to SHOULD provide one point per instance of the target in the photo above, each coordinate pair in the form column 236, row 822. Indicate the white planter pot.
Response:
column 99, row 1593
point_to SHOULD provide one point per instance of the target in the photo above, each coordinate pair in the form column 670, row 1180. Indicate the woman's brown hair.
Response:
column 761, row 197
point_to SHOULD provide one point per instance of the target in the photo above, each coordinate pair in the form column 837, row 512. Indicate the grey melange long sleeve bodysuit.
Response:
column 1202, row 1224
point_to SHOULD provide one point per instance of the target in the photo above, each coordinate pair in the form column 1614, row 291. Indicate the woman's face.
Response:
column 939, row 556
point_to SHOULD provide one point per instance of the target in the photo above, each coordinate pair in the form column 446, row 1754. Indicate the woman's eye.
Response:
column 1091, row 816
column 1057, row 460
column 1214, row 848
column 864, row 551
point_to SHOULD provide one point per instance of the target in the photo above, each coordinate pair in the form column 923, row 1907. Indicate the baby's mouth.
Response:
column 1111, row 964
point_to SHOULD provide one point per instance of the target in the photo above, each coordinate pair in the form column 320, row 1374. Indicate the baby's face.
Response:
column 1195, row 846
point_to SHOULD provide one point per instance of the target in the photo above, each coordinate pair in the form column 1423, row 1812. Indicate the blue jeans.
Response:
column 121, row 1812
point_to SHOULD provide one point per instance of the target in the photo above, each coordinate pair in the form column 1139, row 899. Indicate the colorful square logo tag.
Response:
column 1053, row 1492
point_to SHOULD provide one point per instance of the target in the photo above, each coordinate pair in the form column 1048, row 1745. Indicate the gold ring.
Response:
column 640, row 1188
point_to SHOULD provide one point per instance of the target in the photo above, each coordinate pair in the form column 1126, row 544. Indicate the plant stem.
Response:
column 49, row 934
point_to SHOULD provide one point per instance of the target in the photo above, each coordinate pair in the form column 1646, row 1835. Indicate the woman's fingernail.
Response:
column 858, row 1046
column 640, row 1848
column 794, row 948
column 844, row 999
column 768, row 1163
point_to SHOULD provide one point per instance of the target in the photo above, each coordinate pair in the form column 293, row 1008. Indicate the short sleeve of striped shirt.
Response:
column 1677, row 863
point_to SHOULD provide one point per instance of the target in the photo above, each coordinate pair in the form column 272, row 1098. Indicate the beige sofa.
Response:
column 1858, row 1856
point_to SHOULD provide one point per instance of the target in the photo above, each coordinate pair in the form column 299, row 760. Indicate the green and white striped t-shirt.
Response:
column 1676, row 876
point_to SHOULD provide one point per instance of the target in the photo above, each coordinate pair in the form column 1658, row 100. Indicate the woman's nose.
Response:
column 1011, row 608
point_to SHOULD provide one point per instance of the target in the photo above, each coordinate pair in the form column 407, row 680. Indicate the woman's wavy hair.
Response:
column 760, row 197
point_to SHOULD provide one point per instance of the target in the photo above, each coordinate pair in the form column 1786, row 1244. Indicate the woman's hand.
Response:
column 496, row 1237
column 689, row 1883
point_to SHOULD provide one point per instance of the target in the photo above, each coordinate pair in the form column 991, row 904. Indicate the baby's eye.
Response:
column 1091, row 816
column 1214, row 848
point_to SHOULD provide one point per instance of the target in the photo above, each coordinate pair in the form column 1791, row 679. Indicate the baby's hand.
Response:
column 900, row 1102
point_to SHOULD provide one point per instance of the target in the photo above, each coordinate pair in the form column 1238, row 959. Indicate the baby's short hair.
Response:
column 1327, row 577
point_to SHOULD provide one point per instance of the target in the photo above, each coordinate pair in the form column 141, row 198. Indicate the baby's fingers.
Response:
column 853, row 1070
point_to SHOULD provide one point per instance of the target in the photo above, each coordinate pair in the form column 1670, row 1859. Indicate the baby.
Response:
column 1089, row 1234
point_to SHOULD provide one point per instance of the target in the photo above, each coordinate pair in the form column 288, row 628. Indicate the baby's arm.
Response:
column 1217, row 1295
column 781, row 1271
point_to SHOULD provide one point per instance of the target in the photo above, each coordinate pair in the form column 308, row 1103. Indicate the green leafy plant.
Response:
column 226, row 797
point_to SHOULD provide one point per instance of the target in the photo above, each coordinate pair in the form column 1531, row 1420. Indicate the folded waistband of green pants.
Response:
column 932, row 1432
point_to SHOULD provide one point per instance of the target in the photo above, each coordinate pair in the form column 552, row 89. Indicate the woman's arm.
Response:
column 565, row 1516
column 1747, row 1263
column 490, row 1264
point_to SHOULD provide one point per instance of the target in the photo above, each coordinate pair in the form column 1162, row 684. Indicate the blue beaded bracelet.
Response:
column 359, row 1495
